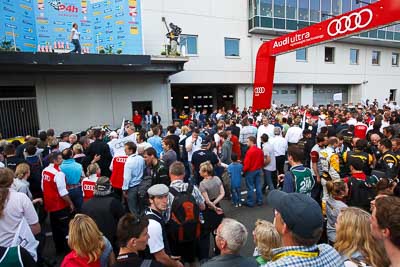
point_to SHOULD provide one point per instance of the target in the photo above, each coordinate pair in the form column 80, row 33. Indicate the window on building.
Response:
column 291, row 9
column 315, row 10
column 376, row 57
column 301, row 54
column 303, row 10
column 395, row 59
column 326, row 10
column 337, row 7
column 232, row 47
column 279, row 8
column 329, row 54
column 189, row 42
column 266, row 8
column 393, row 93
column 354, row 55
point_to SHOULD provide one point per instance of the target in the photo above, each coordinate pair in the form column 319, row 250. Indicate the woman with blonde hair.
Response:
column 89, row 248
column 266, row 238
column 89, row 182
column 355, row 242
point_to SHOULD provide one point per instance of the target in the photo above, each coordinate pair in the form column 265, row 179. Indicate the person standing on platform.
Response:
column 74, row 38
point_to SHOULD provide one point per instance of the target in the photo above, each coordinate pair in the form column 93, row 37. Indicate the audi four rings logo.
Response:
column 259, row 90
column 352, row 22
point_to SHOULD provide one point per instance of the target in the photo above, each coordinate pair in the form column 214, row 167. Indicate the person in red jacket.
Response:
column 56, row 201
column 235, row 143
column 252, row 169
column 137, row 120
column 360, row 129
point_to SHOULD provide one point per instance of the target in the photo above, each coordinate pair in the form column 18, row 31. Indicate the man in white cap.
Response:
column 158, row 247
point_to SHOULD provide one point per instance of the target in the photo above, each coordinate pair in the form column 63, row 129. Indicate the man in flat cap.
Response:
column 158, row 247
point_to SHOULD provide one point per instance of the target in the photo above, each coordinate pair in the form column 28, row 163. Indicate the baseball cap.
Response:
column 103, row 186
column 158, row 190
column 205, row 142
column 300, row 212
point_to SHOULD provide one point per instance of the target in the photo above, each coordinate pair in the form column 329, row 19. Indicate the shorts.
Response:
column 186, row 250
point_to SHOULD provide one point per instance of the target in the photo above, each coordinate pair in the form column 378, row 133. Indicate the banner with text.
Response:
column 111, row 25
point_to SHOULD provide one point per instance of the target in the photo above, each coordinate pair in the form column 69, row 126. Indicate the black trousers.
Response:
column 59, row 221
column 280, row 164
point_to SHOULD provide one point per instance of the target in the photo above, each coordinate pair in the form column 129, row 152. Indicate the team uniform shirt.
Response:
column 298, row 179
column 314, row 155
column 389, row 163
column 117, row 171
column 88, row 185
column 54, row 188
column 360, row 130
column 330, row 162
column 294, row 134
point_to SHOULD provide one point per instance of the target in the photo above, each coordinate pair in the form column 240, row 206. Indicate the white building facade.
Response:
column 222, row 39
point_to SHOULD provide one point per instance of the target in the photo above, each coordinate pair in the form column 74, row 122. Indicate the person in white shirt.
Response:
column 74, row 38
column 352, row 120
column 158, row 242
column 280, row 148
column 269, row 163
column 294, row 133
column 265, row 128
column 192, row 144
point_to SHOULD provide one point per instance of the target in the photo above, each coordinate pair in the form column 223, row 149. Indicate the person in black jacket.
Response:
column 98, row 147
column 10, row 159
column 105, row 209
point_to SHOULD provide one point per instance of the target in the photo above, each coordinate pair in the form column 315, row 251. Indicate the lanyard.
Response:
column 301, row 254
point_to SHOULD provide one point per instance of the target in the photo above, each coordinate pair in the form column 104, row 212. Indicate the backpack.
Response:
column 184, row 224
column 360, row 193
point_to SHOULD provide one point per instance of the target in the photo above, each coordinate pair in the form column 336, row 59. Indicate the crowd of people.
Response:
column 151, row 196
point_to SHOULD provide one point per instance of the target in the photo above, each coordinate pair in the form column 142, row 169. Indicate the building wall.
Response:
column 214, row 20
column 75, row 102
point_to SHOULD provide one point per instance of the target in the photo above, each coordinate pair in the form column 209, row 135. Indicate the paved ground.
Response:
column 245, row 215
column 248, row 216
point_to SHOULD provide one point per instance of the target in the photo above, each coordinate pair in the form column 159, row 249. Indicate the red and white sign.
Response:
column 373, row 16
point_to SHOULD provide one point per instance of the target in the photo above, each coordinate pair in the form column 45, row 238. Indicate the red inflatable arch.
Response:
column 373, row 16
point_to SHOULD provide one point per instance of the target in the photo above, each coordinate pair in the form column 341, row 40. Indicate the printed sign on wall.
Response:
column 103, row 24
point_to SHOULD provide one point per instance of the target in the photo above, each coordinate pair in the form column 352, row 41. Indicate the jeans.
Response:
column 253, row 181
column 133, row 200
column 77, row 45
column 268, row 180
column 235, row 191
column 76, row 196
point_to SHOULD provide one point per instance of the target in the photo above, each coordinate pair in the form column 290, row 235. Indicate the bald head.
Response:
column 375, row 138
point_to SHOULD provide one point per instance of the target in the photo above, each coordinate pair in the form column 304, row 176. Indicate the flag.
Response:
column 122, row 130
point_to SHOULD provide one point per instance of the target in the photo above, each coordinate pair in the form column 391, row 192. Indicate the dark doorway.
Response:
column 202, row 97
column 142, row 107
column 18, row 112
